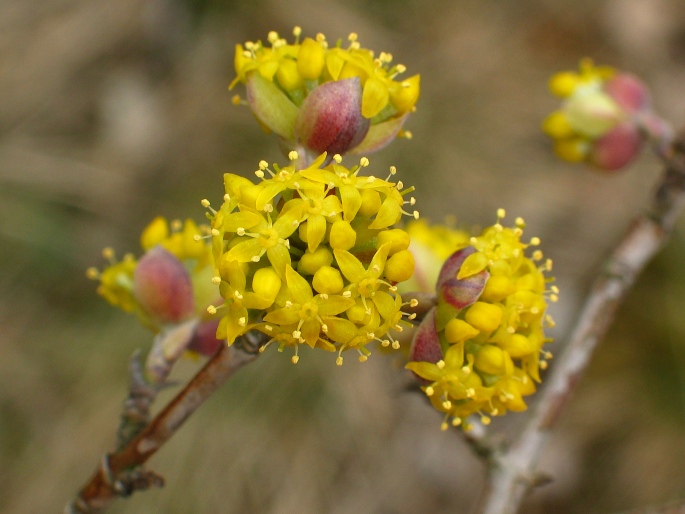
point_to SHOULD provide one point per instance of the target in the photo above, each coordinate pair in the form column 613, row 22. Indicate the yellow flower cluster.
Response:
column 492, row 346
column 309, row 256
column 588, row 112
column 299, row 67
column 180, row 240
column 319, row 97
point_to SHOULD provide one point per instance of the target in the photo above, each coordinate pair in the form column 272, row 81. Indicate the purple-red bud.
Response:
column 617, row 148
column 204, row 339
column 162, row 286
column 330, row 118
column 628, row 92
column 460, row 293
column 425, row 347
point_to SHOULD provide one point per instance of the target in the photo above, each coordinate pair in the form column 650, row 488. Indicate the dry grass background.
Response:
column 112, row 111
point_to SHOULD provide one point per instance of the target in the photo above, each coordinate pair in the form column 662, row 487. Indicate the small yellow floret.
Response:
column 327, row 280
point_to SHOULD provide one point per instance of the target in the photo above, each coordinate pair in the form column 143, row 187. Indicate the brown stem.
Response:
column 513, row 472
column 118, row 476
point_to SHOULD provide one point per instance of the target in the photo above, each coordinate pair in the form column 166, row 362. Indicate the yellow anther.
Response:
column 413, row 302
column 92, row 273
column 294, row 359
column 395, row 345
column 401, row 68
column 259, row 173
column 444, row 426
column 197, row 238
column 272, row 36
column 339, row 360
column 227, row 197
column 242, row 321
column 297, row 31
column 108, row 253
column 456, row 422
column 352, row 36
column 211, row 309
column 205, row 203
column 337, row 158
column 364, row 162
column 485, row 420
column 293, row 155
column 240, row 231
column 363, row 358
column 501, row 213
column 534, row 241
column 236, row 100
column 216, row 280
column 215, row 232
column 430, row 391
column 440, row 364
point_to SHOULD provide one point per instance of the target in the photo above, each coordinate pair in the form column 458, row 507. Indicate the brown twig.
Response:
column 120, row 473
column 512, row 472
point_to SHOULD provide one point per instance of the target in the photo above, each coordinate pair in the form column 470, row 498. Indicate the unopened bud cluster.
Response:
column 604, row 116
column 480, row 350
column 310, row 256
column 320, row 97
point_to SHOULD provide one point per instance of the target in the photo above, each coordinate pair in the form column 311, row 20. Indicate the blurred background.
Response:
column 115, row 111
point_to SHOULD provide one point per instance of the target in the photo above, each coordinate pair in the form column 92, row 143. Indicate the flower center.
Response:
column 309, row 310
column 268, row 237
column 368, row 287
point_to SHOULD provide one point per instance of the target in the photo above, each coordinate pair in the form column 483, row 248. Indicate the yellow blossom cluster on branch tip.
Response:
column 281, row 76
column 490, row 343
column 310, row 256
column 603, row 118
column 170, row 283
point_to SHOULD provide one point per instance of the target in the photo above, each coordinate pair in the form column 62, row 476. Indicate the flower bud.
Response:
column 327, row 280
column 330, row 118
column 628, row 92
column 617, row 148
column 204, row 339
column 425, row 347
column 162, row 286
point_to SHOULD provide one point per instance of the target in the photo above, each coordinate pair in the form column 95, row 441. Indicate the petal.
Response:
column 245, row 251
column 283, row 316
column 311, row 329
column 473, row 264
column 374, row 97
column 279, row 257
column 385, row 304
column 242, row 219
column 299, row 288
column 454, row 357
column 288, row 221
column 379, row 258
column 340, row 330
column 425, row 370
column 335, row 304
column 350, row 266
column 268, row 192
column 388, row 214
column 316, row 230
column 351, row 201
